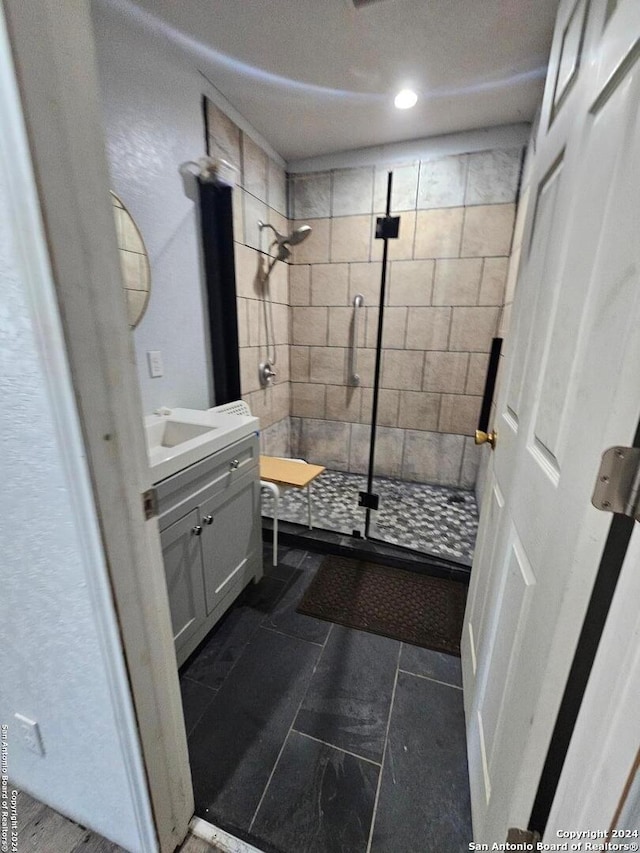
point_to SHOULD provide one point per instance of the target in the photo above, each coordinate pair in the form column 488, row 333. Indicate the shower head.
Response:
column 283, row 241
column 298, row 235
column 292, row 239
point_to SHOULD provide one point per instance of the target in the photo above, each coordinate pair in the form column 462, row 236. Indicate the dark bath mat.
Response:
column 404, row 605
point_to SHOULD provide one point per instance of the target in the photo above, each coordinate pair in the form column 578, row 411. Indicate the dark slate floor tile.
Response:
column 215, row 657
column 347, row 703
column 424, row 797
column 284, row 617
column 196, row 698
column 319, row 800
column 431, row 664
column 288, row 561
column 236, row 743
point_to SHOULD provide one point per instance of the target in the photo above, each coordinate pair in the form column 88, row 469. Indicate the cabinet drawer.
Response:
column 188, row 489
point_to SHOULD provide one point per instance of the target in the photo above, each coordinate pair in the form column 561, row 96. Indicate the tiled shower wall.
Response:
column 259, row 195
column 446, row 283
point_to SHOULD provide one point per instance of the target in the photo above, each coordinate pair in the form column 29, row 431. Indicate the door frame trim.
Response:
column 55, row 66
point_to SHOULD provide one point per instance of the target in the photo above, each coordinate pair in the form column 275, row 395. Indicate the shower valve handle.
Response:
column 267, row 373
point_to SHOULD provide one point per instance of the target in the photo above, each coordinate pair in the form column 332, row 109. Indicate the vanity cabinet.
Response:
column 182, row 557
column 210, row 530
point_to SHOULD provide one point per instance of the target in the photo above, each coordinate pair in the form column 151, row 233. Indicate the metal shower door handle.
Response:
column 358, row 302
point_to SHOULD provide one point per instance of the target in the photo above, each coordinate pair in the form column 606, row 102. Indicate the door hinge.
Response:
column 617, row 488
column 150, row 504
column 523, row 836
column 369, row 500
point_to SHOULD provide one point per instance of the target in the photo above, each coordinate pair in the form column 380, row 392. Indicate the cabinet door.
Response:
column 183, row 569
column 231, row 538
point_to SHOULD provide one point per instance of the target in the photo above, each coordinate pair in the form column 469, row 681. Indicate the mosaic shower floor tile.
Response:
column 438, row 520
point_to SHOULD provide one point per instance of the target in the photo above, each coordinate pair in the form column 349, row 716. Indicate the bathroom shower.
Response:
column 282, row 244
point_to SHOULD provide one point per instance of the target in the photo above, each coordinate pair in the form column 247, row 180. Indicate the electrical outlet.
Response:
column 156, row 368
column 30, row 733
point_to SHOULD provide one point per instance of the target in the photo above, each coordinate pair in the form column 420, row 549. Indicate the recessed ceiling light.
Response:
column 406, row 99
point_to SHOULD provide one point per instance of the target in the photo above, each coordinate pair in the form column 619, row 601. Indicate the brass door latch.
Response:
column 489, row 438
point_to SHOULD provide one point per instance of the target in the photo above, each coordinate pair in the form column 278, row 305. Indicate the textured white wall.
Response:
column 151, row 101
column 54, row 668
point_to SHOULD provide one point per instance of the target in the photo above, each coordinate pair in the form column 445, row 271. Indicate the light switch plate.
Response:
column 30, row 734
column 156, row 368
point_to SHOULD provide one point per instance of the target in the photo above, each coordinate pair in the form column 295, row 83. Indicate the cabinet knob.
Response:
column 208, row 519
column 197, row 530
column 234, row 464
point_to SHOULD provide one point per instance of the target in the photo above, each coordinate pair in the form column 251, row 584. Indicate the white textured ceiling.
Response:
column 318, row 76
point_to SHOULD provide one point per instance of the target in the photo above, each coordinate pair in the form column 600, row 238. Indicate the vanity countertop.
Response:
column 178, row 438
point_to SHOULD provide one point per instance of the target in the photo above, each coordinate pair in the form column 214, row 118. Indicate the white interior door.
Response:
column 569, row 390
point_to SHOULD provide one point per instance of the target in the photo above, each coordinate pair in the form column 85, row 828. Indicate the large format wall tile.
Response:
column 328, row 364
column 350, row 238
column 254, row 168
column 352, row 191
column 493, row 176
column 459, row 413
column 329, row 284
column 472, row 329
column 388, row 405
column 299, row 364
column 445, row 372
column 341, row 327
column 419, row 410
column 403, row 191
column 470, row 464
column 311, row 196
column 309, row 326
column 428, row 328
column 277, row 188
column 300, row 284
column 494, row 279
column 307, row 400
column 438, row 233
column 389, row 448
column 487, row 230
column 255, row 211
column 411, row 282
column 402, row 369
column 431, row 457
column 324, row 443
column 394, row 328
column 476, row 377
column 457, row 281
column 225, row 135
column 315, row 248
column 364, row 278
column 442, row 182
column 343, row 403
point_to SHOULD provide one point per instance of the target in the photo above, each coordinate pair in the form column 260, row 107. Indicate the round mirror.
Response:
column 136, row 273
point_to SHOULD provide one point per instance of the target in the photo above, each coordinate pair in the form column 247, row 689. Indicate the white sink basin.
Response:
column 183, row 437
column 171, row 433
